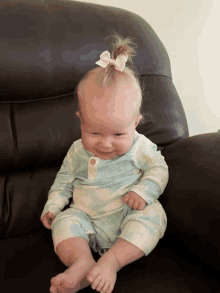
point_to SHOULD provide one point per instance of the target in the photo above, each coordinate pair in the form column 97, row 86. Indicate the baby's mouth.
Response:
column 105, row 153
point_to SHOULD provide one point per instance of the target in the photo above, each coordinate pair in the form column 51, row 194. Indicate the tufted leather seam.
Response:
column 26, row 101
column 64, row 95
column 13, row 130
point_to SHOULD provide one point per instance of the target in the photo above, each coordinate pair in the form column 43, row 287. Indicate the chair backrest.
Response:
column 45, row 49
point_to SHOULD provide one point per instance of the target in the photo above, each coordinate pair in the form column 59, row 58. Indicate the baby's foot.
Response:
column 103, row 274
column 69, row 281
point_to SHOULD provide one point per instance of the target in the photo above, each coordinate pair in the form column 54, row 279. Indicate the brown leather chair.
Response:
column 46, row 47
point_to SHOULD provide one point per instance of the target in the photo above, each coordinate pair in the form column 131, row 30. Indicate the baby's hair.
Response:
column 110, row 75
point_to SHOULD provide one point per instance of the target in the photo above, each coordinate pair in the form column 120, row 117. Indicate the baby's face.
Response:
column 109, row 120
column 107, row 139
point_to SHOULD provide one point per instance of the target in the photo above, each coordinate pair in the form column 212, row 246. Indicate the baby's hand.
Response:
column 47, row 220
column 134, row 201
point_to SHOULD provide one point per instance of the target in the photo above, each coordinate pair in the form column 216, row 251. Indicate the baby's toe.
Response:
column 92, row 275
column 105, row 288
column 96, row 282
column 110, row 289
column 100, row 285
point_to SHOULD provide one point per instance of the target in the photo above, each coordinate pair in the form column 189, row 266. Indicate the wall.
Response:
column 189, row 31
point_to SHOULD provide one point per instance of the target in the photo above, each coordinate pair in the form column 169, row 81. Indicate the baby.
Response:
column 114, row 176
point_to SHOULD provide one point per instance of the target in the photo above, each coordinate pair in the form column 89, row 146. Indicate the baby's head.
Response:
column 109, row 107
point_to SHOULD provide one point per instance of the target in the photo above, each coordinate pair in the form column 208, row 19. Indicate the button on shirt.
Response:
column 98, row 186
column 92, row 167
column 92, row 161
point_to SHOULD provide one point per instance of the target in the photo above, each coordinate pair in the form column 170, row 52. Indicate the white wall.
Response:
column 189, row 29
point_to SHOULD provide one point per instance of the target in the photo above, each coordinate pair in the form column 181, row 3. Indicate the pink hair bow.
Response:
column 119, row 63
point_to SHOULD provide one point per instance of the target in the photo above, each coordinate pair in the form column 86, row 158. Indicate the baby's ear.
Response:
column 138, row 119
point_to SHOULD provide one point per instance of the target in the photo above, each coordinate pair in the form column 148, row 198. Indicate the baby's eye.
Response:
column 118, row 134
column 95, row 133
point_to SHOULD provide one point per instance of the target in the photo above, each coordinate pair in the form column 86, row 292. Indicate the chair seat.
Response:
column 32, row 257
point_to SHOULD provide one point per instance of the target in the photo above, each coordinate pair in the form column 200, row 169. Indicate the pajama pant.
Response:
column 143, row 228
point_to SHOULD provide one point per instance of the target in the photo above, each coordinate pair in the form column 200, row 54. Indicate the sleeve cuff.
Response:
column 149, row 193
column 51, row 208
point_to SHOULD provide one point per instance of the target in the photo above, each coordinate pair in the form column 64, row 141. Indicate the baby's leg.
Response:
column 140, row 233
column 75, row 253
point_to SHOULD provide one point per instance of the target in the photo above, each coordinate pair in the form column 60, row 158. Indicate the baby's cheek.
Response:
column 87, row 142
column 125, row 145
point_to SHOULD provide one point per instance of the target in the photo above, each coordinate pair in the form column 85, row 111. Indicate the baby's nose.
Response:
column 106, row 142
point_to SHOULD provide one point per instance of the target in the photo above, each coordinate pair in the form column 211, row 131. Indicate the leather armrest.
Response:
column 192, row 196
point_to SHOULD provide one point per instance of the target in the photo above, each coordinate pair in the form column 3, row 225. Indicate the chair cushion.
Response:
column 31, row 262
column 191, row 198
column 50, row 46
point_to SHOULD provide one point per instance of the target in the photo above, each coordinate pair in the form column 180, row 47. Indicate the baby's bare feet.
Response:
column 103, row 274
column 69, row 281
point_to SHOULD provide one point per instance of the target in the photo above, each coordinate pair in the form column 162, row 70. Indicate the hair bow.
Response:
column 119, row 63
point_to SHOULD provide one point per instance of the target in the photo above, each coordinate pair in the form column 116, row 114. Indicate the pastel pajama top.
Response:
column 98, row 186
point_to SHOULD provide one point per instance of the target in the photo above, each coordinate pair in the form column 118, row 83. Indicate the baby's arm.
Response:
column 62, row 189
column 154, row 171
